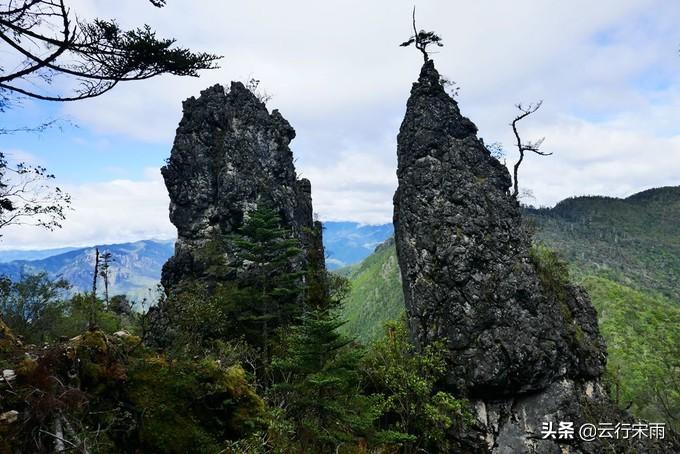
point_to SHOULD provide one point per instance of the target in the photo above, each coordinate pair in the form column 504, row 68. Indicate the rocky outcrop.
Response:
column 229, row 155
column 523, row 343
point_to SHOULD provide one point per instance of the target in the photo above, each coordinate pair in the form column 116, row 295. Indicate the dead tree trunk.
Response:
column 93, row 304
column 522, row 146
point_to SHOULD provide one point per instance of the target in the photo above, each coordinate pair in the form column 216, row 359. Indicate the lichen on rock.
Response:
column 523, row 341
column 230, row 155
column 465, row 258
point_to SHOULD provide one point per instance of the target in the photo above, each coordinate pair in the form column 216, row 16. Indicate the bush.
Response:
column 415, row 413
column 109, row 393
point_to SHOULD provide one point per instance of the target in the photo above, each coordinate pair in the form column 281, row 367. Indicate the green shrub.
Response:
column 416, row 414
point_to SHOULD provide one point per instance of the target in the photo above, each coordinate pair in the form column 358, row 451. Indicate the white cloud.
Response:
column 357, row 186
column 614, row 158
column 335, row 262
column 108, row 212
column 325, row 58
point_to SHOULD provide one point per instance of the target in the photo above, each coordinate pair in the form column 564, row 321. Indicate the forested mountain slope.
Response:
column 634, row 241
column 625, row 252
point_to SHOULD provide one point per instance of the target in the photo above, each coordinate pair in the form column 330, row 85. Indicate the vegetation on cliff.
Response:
column 256, row 364
column 640, row 325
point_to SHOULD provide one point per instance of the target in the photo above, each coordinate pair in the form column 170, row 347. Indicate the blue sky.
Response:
column 608, row 72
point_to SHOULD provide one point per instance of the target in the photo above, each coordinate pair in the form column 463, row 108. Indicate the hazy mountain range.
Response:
column 135, row 270
column 136, row 267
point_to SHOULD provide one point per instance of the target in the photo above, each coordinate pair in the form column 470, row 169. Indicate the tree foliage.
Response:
column 416, row 413
column 40, row 309
column 267, row 254
column 107, row 393
column 319, row 386
column 43, row 40
column 254, row 297
column 641, row 329
column 32, row 305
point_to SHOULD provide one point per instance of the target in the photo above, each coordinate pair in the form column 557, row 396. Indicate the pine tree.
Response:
column 268, row 254
column 320, row 390
column 252, row 296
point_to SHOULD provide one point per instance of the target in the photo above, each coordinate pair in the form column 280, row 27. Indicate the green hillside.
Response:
column 626, row 252
column 633, row 241
column 643, row 340
column 376, row 295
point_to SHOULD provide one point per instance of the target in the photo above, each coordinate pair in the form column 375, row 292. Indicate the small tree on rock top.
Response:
column 421, row 39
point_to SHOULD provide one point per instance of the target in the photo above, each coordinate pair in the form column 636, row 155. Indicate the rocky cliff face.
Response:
column 524, row 345
column 229, row 155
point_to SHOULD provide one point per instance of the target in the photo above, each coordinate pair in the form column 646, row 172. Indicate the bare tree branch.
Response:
column 523, row 147
column 28, row 198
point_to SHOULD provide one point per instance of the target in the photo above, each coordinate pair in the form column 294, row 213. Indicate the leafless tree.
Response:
column 523, row 147
column 92, row 322
column 105, row 260
column 421, row 39
column 28, row 198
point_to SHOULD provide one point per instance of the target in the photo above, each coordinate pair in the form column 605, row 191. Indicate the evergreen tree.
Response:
column 268, row 254
column 48, row 41
column 319, row 379
column 251, row 297
column 320, row 386
column 105, row 260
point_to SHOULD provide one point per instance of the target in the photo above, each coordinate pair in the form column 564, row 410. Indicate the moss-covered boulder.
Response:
column 8, row 342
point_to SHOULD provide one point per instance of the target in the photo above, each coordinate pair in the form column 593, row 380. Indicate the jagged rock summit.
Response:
column 523, row 343
column 465, row 257
column 230, row 154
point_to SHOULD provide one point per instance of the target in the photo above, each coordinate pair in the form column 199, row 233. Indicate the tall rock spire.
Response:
column 523, row 344
column 465, row 260
column 230, row 154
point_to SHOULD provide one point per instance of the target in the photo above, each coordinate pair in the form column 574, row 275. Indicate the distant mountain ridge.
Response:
column 137, row 265
column 11, row 255
column 634, row 241
column 135, row 268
